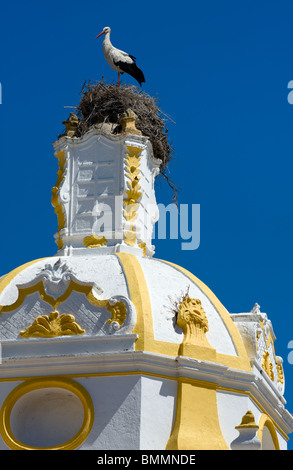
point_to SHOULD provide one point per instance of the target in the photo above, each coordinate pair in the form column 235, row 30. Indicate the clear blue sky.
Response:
column 220, row 70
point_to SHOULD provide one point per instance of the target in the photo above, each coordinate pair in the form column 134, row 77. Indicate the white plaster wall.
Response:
column 95, row 168
column 231, row 408
column 165, row 284
column 158, row 409
column 46, row 417
column 147, row 212
column 11, row 323
column 131, row 412
column 117, row 403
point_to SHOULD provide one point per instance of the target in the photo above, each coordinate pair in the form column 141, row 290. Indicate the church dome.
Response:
column 155, row 290
column 106, row 347
column 124, row 316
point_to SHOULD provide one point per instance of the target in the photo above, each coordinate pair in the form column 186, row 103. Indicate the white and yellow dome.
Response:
column 154, row 288
column 121, row 328
column 116, row 350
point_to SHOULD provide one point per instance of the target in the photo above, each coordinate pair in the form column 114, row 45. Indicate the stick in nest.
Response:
column 101, row 103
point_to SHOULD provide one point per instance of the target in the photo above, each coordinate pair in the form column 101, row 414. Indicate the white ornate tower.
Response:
column 104, row 194
column 95, row 355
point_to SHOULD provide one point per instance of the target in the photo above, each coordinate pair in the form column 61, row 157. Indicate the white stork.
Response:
column 119, row 60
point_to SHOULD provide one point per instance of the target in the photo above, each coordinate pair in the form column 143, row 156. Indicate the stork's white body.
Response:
column 112, row 54
column 119, row 60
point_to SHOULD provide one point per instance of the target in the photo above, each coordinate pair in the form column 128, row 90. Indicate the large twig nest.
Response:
column 101, row 103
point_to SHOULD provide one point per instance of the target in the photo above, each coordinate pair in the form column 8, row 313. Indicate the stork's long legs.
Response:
column 119, row 81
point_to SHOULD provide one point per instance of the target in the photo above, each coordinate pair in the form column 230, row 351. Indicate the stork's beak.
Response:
column 100, row 34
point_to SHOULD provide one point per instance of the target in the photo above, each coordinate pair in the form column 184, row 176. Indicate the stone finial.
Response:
column 71, row 125
column 255, row 308
column 127, row 122
column 247, row 439
column 248, row 421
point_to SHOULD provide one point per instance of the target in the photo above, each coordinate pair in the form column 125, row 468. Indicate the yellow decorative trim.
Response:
column 139, row 295
column 37, row 384
column 127, row 122
column 160, row 376
column 266, row 362
column 39, row 287
column 8, row 278
column 196, row 424
column 268, row 338
column 55, row 196
column 248, row 421
column 280, row 373
column 267, row 365
column 142, row 245
column 132, row 171
column 265, row 420
column 94, row 241
column 117, row 309
column 240, row 361
column 52, row 325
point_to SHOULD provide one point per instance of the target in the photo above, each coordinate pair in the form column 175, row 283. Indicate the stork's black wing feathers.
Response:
column 132, row 69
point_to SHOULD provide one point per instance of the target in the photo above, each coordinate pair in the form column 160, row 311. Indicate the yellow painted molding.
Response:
column 94, row 241
column 267, row 365
column 266, row 361
column 265, row 420
column 189, row 380
column 118, row 310
column 8, row 278
column 196, row 424
column 140, row 297
column 240, row 361
column 37, row 384
column 143, row 246
column 280, row 372
column 131, row 202
column 55, row 195
column 268, row 338
column 39, row 287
